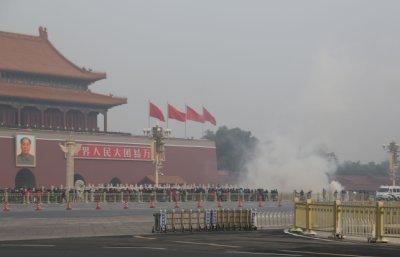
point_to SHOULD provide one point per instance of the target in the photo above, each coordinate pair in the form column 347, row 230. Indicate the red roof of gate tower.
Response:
column 36, row 55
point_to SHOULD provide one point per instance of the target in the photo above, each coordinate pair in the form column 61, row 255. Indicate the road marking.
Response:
column 330, row 254
column 26, row 245
column 258, row 253
column 209, row 244
column 144, row 237
column 134, row 247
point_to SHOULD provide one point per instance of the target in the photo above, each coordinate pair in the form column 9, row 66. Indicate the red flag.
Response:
column 155, row 112
column 173, row 113
column 193, row 115
column 208, row 117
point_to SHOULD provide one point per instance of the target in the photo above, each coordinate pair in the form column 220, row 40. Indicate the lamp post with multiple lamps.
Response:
column 70, row 148
column 157, row 134
column 392, row 148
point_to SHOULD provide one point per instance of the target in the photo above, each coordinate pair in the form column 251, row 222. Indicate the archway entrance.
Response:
column 25, row 178
column 79, row 177
column 115, row 181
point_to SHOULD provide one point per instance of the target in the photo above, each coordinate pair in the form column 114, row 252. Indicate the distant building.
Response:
column 362, row 183
column 46, row 97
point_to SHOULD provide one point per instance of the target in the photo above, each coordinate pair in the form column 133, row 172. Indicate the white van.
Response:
column 388, row 193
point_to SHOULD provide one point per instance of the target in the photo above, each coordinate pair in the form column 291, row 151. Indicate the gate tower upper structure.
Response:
column 41, row 89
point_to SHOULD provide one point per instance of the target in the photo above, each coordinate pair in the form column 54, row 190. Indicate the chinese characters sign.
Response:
column 114, row 152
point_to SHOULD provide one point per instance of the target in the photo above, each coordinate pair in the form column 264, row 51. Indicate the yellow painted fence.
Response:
column 374, row 220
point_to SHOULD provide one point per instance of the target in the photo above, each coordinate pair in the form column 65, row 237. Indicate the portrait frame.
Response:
column 25, row 160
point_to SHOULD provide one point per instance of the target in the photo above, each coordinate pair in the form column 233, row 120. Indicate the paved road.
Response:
column 256, row 243
column 114, row 231
column 54, row 221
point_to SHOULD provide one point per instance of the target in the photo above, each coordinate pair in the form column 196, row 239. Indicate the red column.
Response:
column 42, row 117
column 27, row 117
column 85, row 119
column 19, row 116
column 3, row 118
column 65, row 119
column 105, row 121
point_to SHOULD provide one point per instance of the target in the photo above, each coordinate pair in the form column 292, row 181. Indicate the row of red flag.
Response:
column 175, row 114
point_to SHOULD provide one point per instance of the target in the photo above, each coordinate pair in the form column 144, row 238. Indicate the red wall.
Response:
column 7, row 162
column 194, row 164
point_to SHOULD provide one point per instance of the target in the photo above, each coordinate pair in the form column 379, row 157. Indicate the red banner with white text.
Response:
column 114, row 152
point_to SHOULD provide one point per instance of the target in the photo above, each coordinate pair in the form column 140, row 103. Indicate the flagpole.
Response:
column 167, row 115
column 202, row 124
column 185, row 118
column 148, row 116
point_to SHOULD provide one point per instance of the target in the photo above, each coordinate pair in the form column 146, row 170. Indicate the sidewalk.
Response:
column 358, row 239
column 22, row 222
column 34, row 228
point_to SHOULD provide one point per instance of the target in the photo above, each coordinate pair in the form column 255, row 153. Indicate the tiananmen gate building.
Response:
column 45, row 100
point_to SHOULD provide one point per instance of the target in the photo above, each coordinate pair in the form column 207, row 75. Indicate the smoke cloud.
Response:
column 287, row 165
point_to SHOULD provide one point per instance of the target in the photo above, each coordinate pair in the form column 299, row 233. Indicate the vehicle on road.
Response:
column 389, row 193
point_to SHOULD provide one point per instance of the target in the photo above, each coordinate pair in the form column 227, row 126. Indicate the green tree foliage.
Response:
column 235, row 147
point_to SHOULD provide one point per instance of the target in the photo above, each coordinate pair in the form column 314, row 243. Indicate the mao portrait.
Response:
column 25, row 146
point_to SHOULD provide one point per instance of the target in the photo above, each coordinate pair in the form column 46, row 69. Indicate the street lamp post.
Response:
column 392, row 148
column 70, row 148
column 157, row 134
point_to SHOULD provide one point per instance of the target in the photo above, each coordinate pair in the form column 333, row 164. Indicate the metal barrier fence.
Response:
column 139, row 196
column 374, row 220
column 204, row 220
column 131, row 196
column 90, row 195
column 219, row 219
column 274, row 219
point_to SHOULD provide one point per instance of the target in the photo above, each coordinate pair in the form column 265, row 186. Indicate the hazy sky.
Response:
column 313, row 72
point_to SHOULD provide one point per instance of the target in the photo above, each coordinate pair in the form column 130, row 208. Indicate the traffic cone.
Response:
column 152, row 204
column 219, row 203
column 260, row 204
column 69, row 206
column 38, row 206
column 199, row 204
column 125, row 205
column 98, row 207
column 176, row 203
column 6, row 209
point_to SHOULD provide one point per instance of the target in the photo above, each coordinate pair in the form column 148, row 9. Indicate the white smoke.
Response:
column 285, row 165
column 335, row 186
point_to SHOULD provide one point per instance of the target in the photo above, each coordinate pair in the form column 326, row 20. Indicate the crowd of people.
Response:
column 342, row 195
column 173, row 193
column 177, row 193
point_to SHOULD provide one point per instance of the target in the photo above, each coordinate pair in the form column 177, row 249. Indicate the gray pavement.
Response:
column 23, row 222
column 39, row 228
column 359, row 239
column 217, row 243
column 54, row 221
